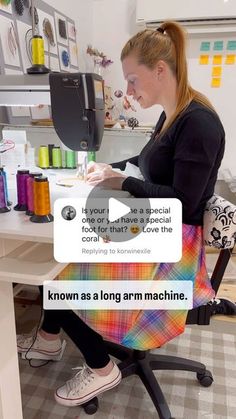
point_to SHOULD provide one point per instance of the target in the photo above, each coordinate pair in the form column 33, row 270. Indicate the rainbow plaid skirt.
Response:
column 146, row 329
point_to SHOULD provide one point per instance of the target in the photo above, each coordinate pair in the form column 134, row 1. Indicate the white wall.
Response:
column 107, row 25
column 113, row 24
column 81, row 11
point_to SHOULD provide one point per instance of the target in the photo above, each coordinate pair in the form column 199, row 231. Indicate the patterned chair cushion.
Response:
column 220, row 223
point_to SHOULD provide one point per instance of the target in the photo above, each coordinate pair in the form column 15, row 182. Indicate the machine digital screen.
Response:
column 98, row 88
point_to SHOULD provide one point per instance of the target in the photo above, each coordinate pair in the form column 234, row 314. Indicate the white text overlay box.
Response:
column 118, row 295
column 145, row 234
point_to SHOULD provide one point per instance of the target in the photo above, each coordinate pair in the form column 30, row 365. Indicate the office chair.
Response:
column 219, row 232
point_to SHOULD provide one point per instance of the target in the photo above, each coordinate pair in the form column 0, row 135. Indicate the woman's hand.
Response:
column 94, row 167
column 102, row 172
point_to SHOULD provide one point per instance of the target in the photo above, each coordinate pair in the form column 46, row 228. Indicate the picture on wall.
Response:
column 71, row 31
column 64, row 58
column 25, row 34
column 9, row 42
column 46, row 28
column 73, row 50
column 52, row 63
column 61, row 29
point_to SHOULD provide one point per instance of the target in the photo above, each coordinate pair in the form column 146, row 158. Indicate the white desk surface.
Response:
column 15, row 229
column 16, row 225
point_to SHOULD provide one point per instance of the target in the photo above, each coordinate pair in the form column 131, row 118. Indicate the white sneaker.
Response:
column 39, row 347
column 85, row 385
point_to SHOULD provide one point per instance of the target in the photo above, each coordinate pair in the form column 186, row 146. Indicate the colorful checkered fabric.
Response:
column 147, row 329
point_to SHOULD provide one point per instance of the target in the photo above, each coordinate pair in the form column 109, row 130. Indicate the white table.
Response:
column 19, row 266
column 16, row 231
column 21, row 243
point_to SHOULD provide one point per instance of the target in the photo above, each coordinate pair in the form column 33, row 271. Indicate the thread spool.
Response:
column 3, row 173
column 37, row 50
column 3, row 200
column 43, row 157
column 70, row 159
column 50, row 147
column 37, row 47
column 30, row 192
column 56, row 158
column 91, row 156
column 42, row 208
column 21, row 178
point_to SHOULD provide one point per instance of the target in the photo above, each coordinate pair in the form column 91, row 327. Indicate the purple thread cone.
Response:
column 3, row 201
column 21, row 178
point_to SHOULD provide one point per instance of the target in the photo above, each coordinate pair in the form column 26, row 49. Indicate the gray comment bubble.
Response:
column 68, row 213
column 125, row 228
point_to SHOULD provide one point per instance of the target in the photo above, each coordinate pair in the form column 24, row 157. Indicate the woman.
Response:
column 181, row 160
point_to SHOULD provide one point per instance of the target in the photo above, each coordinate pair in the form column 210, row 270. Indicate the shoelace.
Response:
column 80, row 380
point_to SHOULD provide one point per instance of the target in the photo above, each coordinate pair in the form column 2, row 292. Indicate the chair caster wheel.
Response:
column 205, row 379
column 91, row 406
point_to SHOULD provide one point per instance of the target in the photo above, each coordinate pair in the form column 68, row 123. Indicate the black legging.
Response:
column 89, row 342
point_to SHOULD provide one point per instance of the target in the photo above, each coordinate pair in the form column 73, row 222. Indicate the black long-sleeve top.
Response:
column 182, row 162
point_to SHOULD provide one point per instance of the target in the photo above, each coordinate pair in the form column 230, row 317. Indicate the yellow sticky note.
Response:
column 203, row 59
column 215, row 82
column 230, row 59
column 217, row 59
column 216, row 71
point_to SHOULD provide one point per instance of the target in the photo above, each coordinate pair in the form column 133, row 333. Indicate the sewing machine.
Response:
column 77, row 102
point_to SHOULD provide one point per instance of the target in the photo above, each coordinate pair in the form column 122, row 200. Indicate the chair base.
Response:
column 143, row 363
